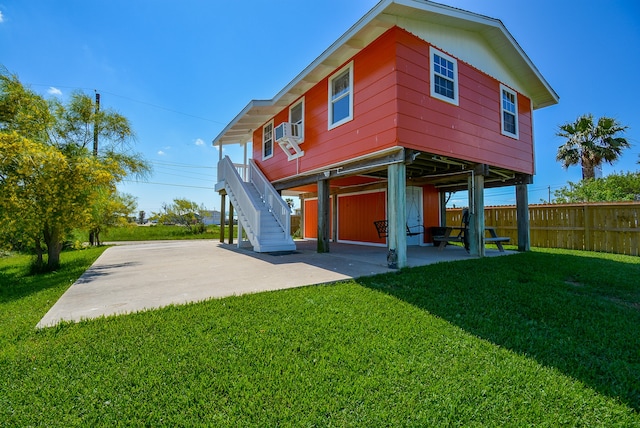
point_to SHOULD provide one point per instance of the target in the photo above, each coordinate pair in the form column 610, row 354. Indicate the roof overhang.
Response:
column 382, row 17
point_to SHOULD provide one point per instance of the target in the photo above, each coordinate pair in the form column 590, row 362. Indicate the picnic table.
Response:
column 459, row 234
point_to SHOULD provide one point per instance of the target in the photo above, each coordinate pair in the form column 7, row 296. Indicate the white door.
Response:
column 414, row 214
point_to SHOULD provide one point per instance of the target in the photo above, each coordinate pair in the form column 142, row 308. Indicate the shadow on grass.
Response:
column 577, row 314
column 17, row 283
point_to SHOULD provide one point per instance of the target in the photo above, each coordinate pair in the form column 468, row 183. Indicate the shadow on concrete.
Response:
column 98, row 271
column 358, row 260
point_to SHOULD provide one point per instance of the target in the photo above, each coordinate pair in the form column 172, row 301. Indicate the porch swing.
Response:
column 382, row 226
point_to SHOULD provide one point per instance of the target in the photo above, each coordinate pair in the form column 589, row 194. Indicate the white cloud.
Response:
column 199, row 142
column 54, row 91
column 161, row 153
column 1, row 18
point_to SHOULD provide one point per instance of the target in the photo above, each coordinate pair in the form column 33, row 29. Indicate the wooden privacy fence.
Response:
column 604, row 227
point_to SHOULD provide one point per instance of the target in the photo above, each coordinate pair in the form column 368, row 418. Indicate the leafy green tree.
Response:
column 44, row 194
column 590, row 144
column 612, row 188
column 110, row 209
column 51, row 177
column 182, row 212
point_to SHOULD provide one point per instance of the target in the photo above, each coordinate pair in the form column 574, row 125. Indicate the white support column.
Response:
column 396, row 215
column 245, row 168
column 240, row 241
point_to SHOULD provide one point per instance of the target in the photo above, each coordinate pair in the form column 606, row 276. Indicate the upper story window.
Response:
column 296, row 117
column 267, row 141
column 509, row 111
column 444, row 76
column 341, row 97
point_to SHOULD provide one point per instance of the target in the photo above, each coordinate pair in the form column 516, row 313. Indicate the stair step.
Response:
column 272, row 236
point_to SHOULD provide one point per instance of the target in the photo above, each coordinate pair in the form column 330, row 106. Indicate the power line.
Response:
column 134, row 100
column 182, row 165
column 167, row 184
column 212, row 179
column 165, row 108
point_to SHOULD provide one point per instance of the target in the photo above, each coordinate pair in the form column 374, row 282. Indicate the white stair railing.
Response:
column 278, row 207
column 228, row 173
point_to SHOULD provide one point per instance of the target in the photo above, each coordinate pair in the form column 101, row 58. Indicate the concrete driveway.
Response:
column 146, row 275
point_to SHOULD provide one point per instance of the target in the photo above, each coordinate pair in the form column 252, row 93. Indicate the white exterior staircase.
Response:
column 264, row 216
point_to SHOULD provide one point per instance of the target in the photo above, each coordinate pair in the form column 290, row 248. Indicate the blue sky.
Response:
column 180, row 71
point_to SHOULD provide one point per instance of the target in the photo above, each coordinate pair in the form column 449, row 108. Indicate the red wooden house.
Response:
column 415, row 100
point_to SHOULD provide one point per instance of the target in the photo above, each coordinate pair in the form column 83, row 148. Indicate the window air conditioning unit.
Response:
column 287, row 131
column 288, row 137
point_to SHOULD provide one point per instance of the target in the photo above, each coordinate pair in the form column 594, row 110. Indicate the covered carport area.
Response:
column 394, row 169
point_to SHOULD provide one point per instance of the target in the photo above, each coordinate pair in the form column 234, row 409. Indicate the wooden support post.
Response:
column 324, row 210
column 230, row 223
column 334, row 218
column 222, row 206
column 302, row 217
column 397, row 216
column 476, row 211
column 522, row 217
column 443, row 208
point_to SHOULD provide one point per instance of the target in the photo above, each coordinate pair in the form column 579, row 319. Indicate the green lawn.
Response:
column 545, row 338
column 133, row 232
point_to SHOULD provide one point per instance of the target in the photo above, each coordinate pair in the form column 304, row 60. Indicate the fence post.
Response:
column 587, row 228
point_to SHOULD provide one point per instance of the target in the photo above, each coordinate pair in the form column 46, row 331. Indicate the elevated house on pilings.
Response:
column 415, row 100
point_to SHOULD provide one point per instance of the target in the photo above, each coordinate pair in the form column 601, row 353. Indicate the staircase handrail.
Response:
column 228, row 172
column 273, row 200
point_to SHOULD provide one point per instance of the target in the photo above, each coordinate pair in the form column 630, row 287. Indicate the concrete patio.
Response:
column 135, row 276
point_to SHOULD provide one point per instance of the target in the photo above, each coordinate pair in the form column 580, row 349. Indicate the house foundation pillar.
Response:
column 443, row 208
column 324, row 212
column 223, row 201
column 230, row 223
column 397, row 216
column 476, row 210
column 522, row 217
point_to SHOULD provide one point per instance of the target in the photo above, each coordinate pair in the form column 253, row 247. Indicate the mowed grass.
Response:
column 134, row 232
column 547, row 338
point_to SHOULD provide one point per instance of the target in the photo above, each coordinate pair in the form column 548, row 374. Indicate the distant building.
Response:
column 210, row 217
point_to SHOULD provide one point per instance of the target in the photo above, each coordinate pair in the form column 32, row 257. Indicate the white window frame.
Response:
column 300, row 103
column 349, row 93
column 503, row 110
column 455, row 100
column 264, row 139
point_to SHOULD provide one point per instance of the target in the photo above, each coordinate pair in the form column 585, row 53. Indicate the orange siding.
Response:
column 469, row 131
column 356, row 214
column 393, row 107
column 372, row 129
column 431, row 210
column 311, row 218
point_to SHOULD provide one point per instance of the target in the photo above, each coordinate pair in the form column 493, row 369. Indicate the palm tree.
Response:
column 589, row 144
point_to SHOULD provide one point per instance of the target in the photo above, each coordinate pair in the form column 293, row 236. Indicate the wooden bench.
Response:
column 382, row 227
column 441, row 240
column 446, row 235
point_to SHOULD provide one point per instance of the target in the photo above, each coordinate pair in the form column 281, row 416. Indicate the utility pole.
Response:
column 95, row 126
column 92, row 234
